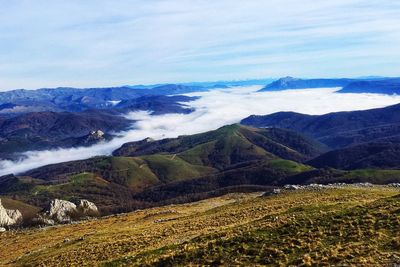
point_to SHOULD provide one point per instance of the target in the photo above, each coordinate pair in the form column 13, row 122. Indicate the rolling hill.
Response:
column 46, row 130
column 233, row 158
column 376, row 155
column 338, row 129
column 233, row 155
column 49, row 130
column 357, row 139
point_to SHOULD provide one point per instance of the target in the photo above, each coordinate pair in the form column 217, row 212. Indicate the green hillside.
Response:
column 188, row 168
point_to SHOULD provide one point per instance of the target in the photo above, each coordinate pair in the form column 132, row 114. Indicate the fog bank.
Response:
column 212, row 110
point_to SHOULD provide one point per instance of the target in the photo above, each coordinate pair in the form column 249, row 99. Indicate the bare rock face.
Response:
column 87, row 207
column 15, row 215
column 9, row 217
column 61, row 210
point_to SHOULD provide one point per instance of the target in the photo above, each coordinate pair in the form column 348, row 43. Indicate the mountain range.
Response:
column 261, row 153
column 48, row 129
column 75, row 100
column 358, row 139
column 230, row 156
column 233, row 158
column 376, row 85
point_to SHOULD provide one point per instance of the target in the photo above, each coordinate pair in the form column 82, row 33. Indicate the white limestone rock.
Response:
column 9, row 217
column 61, row 210
column 87, row 207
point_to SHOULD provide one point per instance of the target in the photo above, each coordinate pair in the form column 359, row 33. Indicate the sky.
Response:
column 213, row 109
column 95, row 43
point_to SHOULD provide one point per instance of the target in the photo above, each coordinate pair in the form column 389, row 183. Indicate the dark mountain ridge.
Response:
column 337, row 129
column 46, row 130
column 358, row 139
column 372, row 155
column 380, row 86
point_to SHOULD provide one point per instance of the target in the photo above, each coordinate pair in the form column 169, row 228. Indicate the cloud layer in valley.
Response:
column 212, row 110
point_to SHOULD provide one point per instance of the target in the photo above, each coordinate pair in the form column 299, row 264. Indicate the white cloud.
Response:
column 213, row 110
column 100, row 43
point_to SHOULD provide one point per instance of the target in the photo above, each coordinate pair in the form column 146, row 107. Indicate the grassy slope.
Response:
column 352, row 225
column 378, row 176
column 229, row 145
column 170, row 168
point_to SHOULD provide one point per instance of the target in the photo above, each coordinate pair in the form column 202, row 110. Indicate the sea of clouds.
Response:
column 213, row 109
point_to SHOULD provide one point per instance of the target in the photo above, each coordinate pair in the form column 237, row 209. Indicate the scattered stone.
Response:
column 276, row 191
column 2, row 229
column 164, row 220
column 292, row 187
column 334, row 185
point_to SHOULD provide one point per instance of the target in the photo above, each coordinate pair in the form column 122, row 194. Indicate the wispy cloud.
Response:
column 213, row 110
column 99, row 43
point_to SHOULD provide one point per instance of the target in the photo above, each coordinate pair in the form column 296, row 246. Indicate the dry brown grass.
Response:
column 136, row 238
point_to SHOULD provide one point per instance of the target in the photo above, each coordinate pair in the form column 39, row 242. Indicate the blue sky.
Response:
column 105, row 43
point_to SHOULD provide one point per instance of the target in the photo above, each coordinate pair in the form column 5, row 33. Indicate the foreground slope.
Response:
column 342, row 226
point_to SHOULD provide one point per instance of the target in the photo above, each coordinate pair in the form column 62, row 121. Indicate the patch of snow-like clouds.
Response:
column 213, row 109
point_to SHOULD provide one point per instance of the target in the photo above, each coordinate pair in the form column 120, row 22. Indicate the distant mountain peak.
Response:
column 297, row 83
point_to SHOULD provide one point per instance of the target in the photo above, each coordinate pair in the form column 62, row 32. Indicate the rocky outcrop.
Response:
column 87, row 208
column 61, row 210
column 15, row 215
column 9, row 217
column 64, row 211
